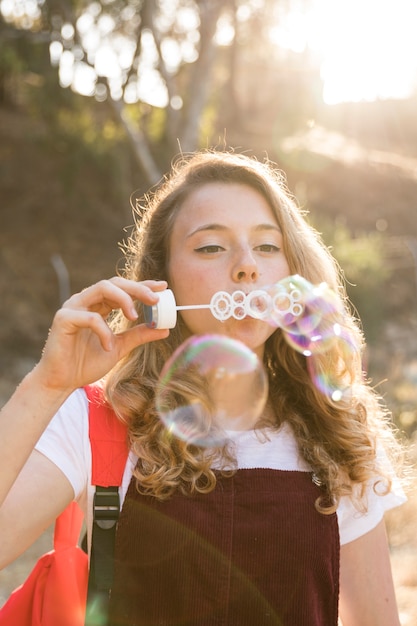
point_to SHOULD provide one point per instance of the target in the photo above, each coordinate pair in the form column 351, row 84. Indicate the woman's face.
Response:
column 225, row 238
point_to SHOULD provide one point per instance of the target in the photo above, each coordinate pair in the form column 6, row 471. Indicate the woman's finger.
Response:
column 115, row 293
column 71, row 321
column 138, row 335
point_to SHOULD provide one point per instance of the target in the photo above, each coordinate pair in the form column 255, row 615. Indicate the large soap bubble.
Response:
column 211, row 384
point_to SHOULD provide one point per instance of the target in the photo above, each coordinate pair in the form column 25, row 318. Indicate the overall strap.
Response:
column 109, row 450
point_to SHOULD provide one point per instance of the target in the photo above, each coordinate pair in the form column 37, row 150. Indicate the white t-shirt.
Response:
column 66, row 443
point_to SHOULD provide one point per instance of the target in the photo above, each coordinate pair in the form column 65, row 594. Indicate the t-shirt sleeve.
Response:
column 65, row 442
column 354, row 523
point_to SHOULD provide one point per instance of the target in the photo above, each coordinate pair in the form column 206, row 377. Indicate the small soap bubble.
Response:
column 211, row 384
column 332, row 374
column 312, row 320
column 326, row 382
column 319, row 325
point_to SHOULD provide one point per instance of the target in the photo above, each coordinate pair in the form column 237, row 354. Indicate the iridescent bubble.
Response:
column 333, row 372
column 312, row 319
column 320, row 323
column 211, row 384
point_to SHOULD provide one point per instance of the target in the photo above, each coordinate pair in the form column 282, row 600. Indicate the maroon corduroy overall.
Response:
column 254, row 552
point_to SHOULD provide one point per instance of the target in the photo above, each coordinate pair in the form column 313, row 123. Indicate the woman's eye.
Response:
column 211, row 249
column 268, row 247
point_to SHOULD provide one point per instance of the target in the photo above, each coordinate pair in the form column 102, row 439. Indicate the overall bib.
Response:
column 253, row 552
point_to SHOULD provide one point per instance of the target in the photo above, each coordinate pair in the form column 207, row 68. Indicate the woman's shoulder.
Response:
column 355, row 522
column 71, row 419
column 278, row 449
column 65, row 441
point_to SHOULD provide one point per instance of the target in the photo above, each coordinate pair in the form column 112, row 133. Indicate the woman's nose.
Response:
column 245, row 268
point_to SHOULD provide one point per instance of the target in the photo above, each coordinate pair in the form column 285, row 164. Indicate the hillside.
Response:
column 52, row 208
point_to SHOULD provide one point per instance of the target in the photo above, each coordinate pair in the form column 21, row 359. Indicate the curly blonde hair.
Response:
column 338, row 439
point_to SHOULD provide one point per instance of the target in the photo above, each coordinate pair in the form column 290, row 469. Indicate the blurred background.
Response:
column 97, row 98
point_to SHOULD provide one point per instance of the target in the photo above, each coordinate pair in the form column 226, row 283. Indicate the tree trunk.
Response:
column 139, row 144
column 200, row 78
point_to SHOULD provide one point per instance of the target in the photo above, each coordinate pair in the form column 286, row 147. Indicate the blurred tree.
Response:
column 363, row 259
column 171, row 71
column 140, row 57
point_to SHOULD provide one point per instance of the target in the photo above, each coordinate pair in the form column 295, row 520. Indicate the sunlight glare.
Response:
column 23, row 13
column 105, row 24
column 110, row 52
column 66, row 68
column 84, row 79
column 225, row 31
column 171, row 53
column 151, row 88
column 67, row 31
column 55, row 52
column 106, row 63
column 367, row 48
column 84, row 23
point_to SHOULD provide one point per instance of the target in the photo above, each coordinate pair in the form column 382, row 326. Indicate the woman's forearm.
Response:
column 22, row 421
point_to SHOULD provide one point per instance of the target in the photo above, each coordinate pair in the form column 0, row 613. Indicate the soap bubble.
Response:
column 312, row 319
column 311, row 316
column 211, row 384
column 334, row 374
column 321, row 335
column 319, row 325
column 326, row 382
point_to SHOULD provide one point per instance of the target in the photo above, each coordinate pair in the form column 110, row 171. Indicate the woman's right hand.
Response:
column 81, row 348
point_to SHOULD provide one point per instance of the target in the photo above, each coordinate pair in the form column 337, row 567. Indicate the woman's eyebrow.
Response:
column 267, row 226
column 222, row 227
column 205, row 227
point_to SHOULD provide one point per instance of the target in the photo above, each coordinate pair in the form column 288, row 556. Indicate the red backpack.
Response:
column 55, row 593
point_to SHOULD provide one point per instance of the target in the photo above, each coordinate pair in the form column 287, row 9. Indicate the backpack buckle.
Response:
column 106, row 507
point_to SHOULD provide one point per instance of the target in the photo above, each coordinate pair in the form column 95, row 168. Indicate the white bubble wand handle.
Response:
column 278, row 305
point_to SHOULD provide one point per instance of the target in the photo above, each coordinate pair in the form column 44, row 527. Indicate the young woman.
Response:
column 282, row 523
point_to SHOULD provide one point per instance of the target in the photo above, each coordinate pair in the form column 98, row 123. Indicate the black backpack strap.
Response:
column 100, row 579
column 109, row 453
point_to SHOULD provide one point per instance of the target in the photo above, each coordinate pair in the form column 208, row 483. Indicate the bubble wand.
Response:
column 279, row 304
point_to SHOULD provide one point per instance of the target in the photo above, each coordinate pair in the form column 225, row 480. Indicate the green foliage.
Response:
column 156, row 126
column 11, row 61
column 12, row 66
column 151, row 120
column 361, row 258
column 86, row 138
column 90, row 139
